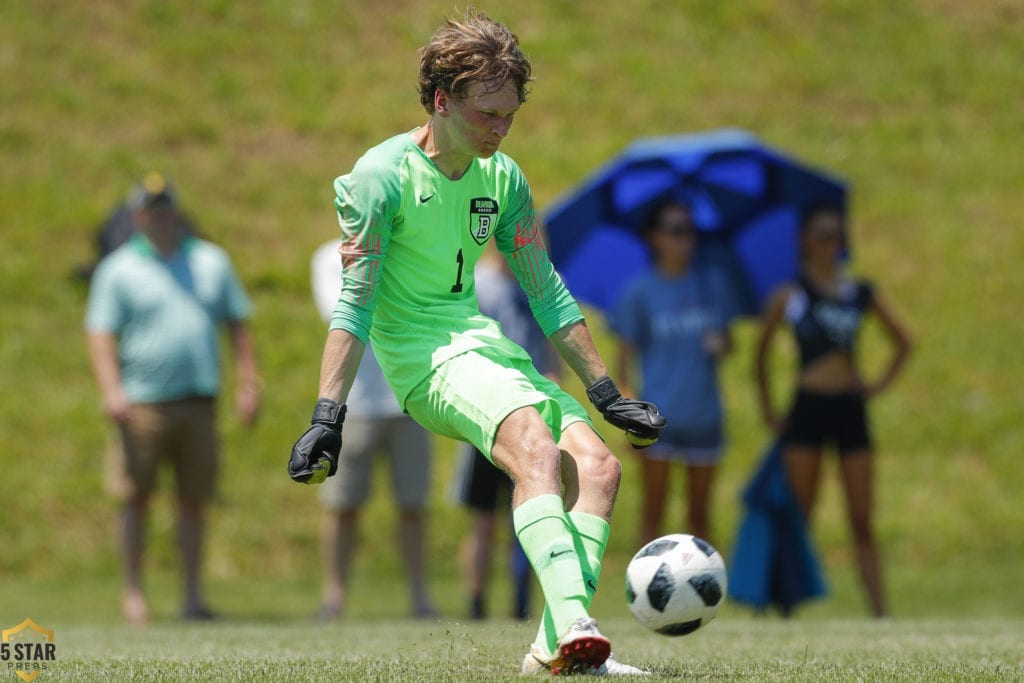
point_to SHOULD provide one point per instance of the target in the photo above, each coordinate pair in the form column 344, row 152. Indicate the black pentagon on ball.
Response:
column 707, row 587
column 680, row 629
column 704, row 546
column 661, row 588
column 630, row 593
column 656, row 548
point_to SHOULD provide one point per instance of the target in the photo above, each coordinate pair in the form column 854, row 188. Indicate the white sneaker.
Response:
column 581, row 650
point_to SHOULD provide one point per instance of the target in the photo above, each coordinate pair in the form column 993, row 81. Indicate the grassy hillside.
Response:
column 253, row 109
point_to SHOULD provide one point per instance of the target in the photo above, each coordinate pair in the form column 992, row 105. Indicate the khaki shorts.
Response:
column 181, row 432
column 469, row 396
column 407, row 447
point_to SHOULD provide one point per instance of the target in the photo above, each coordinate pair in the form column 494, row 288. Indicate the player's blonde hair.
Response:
column 469, row 49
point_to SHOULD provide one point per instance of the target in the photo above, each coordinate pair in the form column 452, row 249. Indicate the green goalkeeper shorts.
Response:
column 467, row 398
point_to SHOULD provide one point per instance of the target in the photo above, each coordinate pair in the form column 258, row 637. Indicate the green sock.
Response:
column 591, row 532
column 590, row 538
column 544, row 531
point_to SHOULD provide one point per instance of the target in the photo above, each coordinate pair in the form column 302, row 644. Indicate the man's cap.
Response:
column 154, row 190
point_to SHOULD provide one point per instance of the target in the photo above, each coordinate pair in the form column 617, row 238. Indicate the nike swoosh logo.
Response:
column 559, row 553
column 424, row 200
column 591, row 585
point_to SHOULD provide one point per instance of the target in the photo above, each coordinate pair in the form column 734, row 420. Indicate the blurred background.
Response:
column 252, row 109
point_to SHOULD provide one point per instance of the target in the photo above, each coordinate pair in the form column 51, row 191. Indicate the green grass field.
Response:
column 733, row 647
column 388, row 650
column 267, row 634
column 253, row 109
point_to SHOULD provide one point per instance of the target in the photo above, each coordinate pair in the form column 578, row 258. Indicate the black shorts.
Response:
column 480, row 484
column 818, row 420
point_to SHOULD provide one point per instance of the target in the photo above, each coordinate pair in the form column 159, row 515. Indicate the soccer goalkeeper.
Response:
column 416, row 212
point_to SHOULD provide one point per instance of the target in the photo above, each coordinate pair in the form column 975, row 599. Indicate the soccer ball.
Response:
column 675, row 584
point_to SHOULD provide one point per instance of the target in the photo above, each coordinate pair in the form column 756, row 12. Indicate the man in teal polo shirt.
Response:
column 155, row 306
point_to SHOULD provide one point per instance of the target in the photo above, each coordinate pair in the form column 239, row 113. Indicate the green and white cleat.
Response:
column 613, row 667
column 538, row 663
column 582, row 650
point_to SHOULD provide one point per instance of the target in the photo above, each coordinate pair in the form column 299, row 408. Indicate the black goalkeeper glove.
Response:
column 315, row 454
column 640, row 419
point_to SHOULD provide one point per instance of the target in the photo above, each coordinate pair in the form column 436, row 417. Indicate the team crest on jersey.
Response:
column 483, row 215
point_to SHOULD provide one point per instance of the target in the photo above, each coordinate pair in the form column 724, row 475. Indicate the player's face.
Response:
column 480, row 121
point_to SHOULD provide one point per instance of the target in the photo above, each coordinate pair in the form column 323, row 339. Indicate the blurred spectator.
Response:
column 155, row 305
column 120, row 225
column 375, row 426
column 479, row 484
column 826, row 307
column 672, row 320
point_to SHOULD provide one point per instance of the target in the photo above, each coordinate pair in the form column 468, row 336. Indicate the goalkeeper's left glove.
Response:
column 640, row 419
column 315, row 455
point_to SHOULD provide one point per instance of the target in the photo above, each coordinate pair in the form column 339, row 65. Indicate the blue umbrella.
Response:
column 746, row 200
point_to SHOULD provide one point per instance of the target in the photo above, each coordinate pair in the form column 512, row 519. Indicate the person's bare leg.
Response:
column 133, row 543
column 524, row 448
column 699, row 479
column 589, row 470
column 655, row 475
column 477, row 560
column 190, row 539
column 411, row 542
column 803, row 468
column 338, row 540
column 856, row 469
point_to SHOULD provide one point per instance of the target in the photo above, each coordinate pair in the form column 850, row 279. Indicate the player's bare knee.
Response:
column 537, row 463
column 526, row 450
column 599, row 467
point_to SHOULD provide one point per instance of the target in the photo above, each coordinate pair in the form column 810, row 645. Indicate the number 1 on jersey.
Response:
column 457, row 287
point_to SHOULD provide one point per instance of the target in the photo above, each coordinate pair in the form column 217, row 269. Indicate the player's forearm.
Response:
column 342, row 354
column 575, row 345
column 552, row 305
column 624, row 367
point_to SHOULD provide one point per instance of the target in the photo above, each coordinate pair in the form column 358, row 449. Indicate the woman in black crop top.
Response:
column 825, row 309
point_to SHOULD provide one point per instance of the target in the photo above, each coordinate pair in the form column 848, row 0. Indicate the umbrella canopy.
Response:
column 746, row 200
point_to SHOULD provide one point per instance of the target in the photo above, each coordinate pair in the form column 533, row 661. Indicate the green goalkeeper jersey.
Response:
column 410, row 240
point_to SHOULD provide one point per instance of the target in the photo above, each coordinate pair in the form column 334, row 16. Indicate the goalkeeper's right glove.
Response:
column 640, row 419
column 315, row 454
